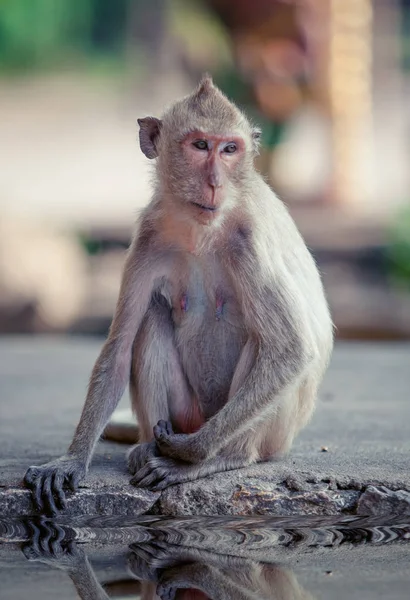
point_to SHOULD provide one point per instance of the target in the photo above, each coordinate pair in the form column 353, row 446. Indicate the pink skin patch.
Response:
column 184, row 303
column 189, row 418
column 220, row 303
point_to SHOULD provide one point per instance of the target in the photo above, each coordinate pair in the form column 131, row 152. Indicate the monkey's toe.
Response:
column 162, row 430
column 166, row 591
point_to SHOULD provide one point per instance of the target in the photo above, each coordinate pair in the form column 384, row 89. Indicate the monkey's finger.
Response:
column 30, row 476
column 73, row 550
column 58, row 481
column 32, row 479
column 38, row 492
column 139, row 475
column 45, row 537
column 48, row 497
column 55, row 544
column 161, row 485
column 29, row 552
column 73, row 481
column 154, row 476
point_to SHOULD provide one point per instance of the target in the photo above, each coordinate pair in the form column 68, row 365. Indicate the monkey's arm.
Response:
column 280, row 355
column 69, row 557
column 107, row 384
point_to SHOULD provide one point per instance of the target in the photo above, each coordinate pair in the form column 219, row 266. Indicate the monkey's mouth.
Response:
column 203, row 207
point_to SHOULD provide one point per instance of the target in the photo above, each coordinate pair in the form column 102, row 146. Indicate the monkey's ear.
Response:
column 150, row 129
column 256, row 138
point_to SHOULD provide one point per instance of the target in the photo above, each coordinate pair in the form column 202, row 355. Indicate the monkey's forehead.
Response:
column 179, row 127
column 211, row 131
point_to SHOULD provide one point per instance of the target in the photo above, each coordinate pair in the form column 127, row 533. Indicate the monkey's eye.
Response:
column 230, row 148
column 201, row 145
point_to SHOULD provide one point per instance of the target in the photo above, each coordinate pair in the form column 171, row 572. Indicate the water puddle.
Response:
column 238, row 558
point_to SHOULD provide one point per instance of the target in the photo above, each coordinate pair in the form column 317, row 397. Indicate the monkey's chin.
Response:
column 203, row 214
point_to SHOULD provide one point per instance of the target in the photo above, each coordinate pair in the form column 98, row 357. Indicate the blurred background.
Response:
column 327, row 80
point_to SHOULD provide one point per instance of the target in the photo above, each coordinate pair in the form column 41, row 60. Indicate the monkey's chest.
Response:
column 210, row 307
column 209, row 335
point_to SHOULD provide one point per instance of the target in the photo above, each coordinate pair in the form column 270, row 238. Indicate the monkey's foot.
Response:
column 180, row 446
column 160, row 472
column 139, row 455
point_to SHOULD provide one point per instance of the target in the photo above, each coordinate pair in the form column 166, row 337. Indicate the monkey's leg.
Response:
column 158, row 386
column 160, row 472
column 272, row 438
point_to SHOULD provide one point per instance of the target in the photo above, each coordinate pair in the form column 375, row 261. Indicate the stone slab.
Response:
column 362, row 420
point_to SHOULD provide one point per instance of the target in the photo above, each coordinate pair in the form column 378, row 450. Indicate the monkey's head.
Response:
column 205, row 148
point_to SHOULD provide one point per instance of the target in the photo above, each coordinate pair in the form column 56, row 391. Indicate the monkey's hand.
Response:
column 47, row 482
column 49, row 546
column 180, row 446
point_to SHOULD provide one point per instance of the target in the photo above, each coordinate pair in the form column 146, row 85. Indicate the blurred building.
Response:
column 327, row 80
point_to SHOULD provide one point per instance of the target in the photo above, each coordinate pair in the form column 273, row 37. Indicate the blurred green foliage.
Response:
column 399, row 249
column 47, row 33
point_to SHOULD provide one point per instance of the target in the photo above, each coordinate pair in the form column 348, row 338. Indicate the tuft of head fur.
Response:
column 208, row 109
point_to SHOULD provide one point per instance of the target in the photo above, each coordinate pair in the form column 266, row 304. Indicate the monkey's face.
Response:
column 211, row 165
column 205, row 148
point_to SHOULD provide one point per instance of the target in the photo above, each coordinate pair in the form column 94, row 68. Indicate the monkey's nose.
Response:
column 214, row 180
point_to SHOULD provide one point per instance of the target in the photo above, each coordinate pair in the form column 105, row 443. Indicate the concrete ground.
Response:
column 362, row 419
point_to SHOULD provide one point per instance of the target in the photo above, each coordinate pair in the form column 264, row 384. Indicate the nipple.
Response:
column 184, row 302
column 220, row 303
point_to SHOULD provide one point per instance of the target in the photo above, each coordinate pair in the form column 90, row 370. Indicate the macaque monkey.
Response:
column 221, row 328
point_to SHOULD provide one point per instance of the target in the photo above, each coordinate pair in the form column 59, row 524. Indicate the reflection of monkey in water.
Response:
column 174, row 572
column 221, row 325
column 193, row 574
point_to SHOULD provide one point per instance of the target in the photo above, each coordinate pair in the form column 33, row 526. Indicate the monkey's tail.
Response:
column 122, row 428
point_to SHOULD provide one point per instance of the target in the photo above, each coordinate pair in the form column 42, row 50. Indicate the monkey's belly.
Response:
column 209, row 352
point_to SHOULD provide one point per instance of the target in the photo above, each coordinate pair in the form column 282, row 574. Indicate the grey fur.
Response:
column 223, row 326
